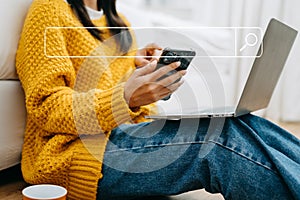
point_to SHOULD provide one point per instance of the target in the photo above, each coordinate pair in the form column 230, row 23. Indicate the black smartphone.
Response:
column 169, row 56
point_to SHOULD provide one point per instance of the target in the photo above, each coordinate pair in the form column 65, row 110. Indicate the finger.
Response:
column 153, row 50
column 182, row 72
column 153, row 46
column 156, row 54
column 148, row 69
column 169, row 90
column 173, row 87
column 150, row 50
column 141, row 62
column 170, row 79
column 164, row 70
column 149, row 53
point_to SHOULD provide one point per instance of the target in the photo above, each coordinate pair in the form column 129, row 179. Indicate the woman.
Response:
column 120, row 157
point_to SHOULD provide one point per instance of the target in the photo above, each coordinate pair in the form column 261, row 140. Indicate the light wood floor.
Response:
column 11, row 182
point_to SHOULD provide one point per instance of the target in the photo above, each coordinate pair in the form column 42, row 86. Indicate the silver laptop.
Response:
column 277, row 43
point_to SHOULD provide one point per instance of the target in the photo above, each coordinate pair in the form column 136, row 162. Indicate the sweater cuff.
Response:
column 112, row 109
column 118, row 99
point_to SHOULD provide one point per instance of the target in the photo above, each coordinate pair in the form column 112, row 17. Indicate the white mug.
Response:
column 44, row 191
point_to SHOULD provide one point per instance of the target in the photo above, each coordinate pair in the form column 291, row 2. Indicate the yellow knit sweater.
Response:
column 72, row 101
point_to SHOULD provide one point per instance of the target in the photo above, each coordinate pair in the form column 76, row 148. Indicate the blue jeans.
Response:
column 242, row 158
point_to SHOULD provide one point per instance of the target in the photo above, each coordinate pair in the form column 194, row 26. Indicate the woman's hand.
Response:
column 147, row 54
column 143, row 87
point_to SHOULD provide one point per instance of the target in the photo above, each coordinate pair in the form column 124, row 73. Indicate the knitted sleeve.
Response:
column 51, row 102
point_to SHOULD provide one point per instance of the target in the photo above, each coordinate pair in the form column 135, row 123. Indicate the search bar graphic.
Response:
column 216, row 42
column 251, row 40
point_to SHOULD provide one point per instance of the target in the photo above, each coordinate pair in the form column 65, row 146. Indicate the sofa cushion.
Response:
column 12, row 122
column 12, row 15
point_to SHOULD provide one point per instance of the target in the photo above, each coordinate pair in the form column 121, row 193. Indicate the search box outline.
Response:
column 236, row 28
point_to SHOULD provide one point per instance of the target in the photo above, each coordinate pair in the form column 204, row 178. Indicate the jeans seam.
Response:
column 160, row 145
column 244, row 156
column 191, row 143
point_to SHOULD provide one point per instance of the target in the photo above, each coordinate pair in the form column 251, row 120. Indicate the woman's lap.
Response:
column 242, row 158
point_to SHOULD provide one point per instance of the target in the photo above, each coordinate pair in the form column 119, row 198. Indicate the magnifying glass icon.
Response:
column 250, row 41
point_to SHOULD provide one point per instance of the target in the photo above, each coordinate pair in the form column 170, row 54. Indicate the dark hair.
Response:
column 124, row 38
